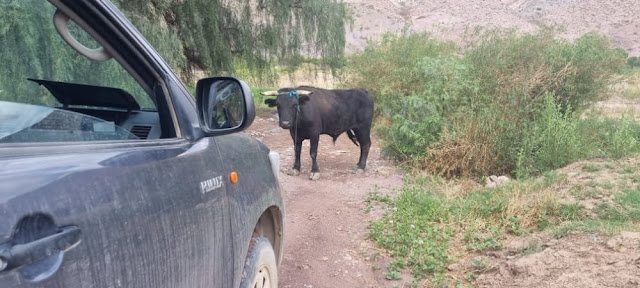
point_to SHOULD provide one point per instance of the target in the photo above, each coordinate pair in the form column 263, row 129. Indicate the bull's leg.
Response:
column 295, row 171
column 315, row 171
column 364, row 139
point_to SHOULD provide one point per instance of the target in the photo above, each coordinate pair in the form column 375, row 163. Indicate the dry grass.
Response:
column 473, row 153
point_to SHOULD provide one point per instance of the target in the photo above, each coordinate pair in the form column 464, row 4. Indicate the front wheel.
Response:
column 260, row 269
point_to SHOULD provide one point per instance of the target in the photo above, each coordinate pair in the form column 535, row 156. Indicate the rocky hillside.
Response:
column 448, row 19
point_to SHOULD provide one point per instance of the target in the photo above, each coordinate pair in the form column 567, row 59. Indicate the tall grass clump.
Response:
column 554, row 140
column 505, row 105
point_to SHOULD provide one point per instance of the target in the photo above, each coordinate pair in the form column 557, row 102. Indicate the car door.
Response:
column 147, row 216
column 107, row 213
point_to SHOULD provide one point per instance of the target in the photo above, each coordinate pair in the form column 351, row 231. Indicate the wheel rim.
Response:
column 263, row 278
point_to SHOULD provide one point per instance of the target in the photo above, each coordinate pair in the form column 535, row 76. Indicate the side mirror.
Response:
column 225, row 105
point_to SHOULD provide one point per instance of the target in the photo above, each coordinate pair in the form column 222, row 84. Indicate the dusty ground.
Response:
column 326, row 221
column 577, row 260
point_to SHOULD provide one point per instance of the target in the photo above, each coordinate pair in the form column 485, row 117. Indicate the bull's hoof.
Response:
column 293, row 172
column 314, row 176
column 358, row 171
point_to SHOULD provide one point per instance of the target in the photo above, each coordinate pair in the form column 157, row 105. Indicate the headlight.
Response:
column 274, row 158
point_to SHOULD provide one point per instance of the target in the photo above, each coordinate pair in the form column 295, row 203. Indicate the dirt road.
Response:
column 326, row 220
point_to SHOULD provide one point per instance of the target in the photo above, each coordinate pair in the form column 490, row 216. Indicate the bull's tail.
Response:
column 352, row 137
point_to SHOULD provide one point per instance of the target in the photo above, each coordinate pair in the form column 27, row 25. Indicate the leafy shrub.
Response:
column 611, row 138
column 388, row 68
column 505, row 105
column 552, row 142
column 633, row 61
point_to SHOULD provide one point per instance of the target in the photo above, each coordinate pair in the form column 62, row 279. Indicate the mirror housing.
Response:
column 225, row 105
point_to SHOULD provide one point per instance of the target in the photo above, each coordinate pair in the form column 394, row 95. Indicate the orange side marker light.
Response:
column 233, row 177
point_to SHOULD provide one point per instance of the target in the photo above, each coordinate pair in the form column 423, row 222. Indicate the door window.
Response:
column 51, row 93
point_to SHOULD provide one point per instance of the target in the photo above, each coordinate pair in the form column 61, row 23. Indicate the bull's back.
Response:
column 342, row 110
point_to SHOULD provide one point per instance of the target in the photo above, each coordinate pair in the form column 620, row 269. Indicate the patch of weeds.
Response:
column 512, row 225
column 412, row 233
column 608, row 185
column 532, row 248
column 481, row 238
column 470, row 276
column 375, row 197
column 571, row 212
column 608, row 212
column 578, row 191
column 593, row 225
column 635, row 178
column 392, row 275
column 592, row 184
column 480, row 264
column 551, row 177
column 629, row 169
column 591, row 167
column 418, row 230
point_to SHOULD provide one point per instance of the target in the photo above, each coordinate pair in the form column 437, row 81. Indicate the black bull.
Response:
column 308, row 112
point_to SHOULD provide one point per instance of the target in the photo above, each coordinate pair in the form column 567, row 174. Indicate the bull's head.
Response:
column 288, row 101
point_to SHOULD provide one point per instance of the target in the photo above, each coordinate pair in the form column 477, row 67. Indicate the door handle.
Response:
column 14, row 256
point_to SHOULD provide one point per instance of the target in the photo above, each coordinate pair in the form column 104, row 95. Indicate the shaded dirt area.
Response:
column 326, row 220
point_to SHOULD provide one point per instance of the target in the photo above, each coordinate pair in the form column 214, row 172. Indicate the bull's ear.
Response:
column 270, row 102
column 303, row 98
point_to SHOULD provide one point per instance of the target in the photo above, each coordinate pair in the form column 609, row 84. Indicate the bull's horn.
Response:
column 304, row 92
column 269, row 93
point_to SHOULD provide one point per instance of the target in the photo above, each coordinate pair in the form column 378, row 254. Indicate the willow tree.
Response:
column 212, row 34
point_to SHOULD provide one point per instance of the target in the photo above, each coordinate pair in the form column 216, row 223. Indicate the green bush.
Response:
column 633, row 61
column 611, row 138
column 552, row 142
column 505, row 106
column 388, row 69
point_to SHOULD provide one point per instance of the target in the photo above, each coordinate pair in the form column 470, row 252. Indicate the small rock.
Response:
column 495, row 181
column 347, row 257
column 552, row 242
column 504, row 272
column 325, row 258
column 453, row 267
column 612, row 244
column 495, row 254
column 630, row 235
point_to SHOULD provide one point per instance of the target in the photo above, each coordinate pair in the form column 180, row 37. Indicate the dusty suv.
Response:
column 112, row 174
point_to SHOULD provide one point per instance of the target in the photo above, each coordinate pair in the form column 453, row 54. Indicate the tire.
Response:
column 260, row 268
